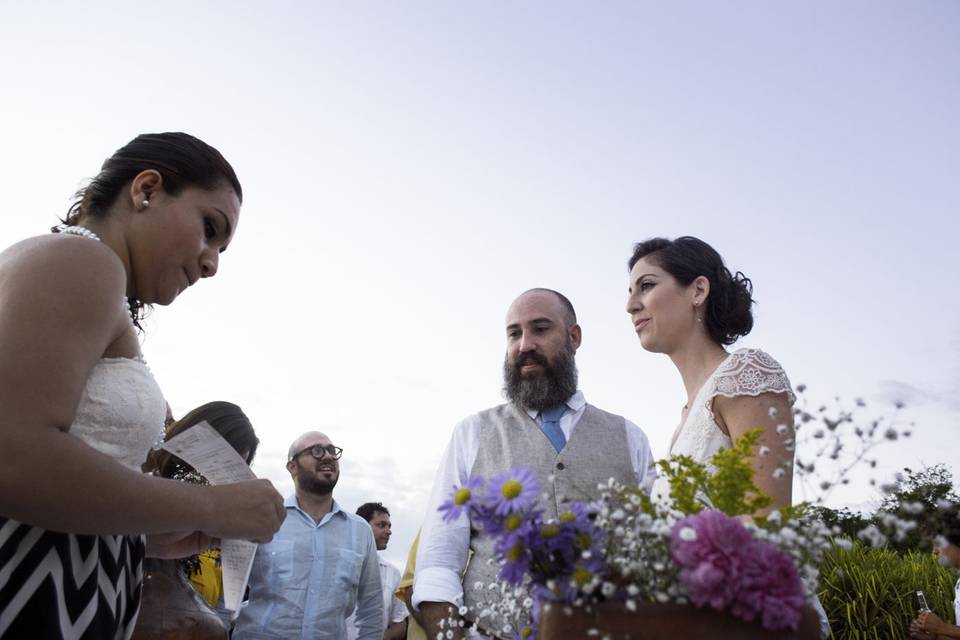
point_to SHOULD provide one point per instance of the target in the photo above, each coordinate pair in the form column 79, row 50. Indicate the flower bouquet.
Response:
column 693, row 564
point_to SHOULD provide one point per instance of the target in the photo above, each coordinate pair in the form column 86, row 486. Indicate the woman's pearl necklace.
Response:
column 74, row 230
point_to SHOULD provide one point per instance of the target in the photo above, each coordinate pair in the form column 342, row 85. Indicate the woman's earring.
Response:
column 145, row 203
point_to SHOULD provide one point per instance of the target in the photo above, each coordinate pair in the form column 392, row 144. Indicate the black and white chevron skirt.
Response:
column 61, row 585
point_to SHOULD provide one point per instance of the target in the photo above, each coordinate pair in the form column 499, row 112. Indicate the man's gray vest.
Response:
column 509, row 438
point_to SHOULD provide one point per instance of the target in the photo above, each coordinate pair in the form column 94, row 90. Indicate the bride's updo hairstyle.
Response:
column 180, row 159
column 727, row 315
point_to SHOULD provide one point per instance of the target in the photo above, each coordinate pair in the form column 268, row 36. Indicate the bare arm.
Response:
column 932, row 623
column 741, row 414
column 439, row 617
column 396, row 631
column 60, row 311
column 407, row 600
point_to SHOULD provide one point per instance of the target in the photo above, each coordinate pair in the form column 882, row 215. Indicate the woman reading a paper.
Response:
column 79, row 409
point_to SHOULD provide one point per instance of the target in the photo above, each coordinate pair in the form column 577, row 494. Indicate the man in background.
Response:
column 395, row 612
column 320, row 565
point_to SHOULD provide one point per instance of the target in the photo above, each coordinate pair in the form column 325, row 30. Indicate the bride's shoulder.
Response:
column 742, row 358
column 752, row 372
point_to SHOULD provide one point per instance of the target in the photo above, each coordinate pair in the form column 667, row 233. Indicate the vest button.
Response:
column 561, row 466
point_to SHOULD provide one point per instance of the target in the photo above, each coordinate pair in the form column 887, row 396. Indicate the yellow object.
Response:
column 209, row 581
column 414, row 630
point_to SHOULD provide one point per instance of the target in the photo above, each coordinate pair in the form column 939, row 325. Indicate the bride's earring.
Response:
column 696, row 303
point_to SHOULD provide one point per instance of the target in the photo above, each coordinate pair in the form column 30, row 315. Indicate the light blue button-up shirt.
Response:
column 306, row 581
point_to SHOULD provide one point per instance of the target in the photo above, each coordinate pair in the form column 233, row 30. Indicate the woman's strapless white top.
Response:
column 121, row 411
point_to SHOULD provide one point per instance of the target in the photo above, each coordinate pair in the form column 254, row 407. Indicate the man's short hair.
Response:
column 369, row 509
column 564, row 302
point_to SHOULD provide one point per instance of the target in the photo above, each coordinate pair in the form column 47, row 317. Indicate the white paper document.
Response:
column 205, row 450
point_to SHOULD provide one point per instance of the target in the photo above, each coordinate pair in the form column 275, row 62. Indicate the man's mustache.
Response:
column 531, row 357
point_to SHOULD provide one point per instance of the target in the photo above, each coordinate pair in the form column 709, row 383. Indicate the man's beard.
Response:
column 550, row 388
column 310, row 483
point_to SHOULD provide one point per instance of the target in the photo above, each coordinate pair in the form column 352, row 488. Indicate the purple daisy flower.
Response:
column 464, row 498
column 512, row 491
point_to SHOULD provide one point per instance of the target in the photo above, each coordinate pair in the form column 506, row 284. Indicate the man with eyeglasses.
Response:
column 320, row 565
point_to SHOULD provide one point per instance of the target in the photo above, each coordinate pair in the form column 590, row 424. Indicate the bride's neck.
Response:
column 696, row 360
column 112, row 234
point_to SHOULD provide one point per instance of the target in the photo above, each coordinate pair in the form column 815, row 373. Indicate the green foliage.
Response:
column 729, row 488
column 928, row 486
column 869, row 594
column 912, row 512
column 918, row 497
column 849, row 522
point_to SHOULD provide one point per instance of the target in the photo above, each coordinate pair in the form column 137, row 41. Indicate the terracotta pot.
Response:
column 658, row 621
column 171, row 609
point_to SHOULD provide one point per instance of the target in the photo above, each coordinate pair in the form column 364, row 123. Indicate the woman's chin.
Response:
column 649, row 344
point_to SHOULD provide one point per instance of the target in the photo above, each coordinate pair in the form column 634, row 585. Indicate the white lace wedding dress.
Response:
column 745, row 372
column 65, row 585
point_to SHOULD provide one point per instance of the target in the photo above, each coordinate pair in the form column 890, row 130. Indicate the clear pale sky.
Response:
column 410, row 167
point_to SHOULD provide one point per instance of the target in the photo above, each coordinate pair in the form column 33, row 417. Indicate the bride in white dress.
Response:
column 686, row 304
column 79, row 409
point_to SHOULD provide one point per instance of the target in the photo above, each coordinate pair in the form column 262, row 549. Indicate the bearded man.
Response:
column 323, row 561
column 548, row 427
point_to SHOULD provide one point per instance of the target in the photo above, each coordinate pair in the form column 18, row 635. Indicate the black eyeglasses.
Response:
column 319, row 452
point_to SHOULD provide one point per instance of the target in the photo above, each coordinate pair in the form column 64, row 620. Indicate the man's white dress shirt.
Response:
column 393, row 608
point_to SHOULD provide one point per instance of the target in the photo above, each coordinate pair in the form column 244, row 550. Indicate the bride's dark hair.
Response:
column 727, row 315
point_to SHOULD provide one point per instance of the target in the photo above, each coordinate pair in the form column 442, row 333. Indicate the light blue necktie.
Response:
column 550, row 425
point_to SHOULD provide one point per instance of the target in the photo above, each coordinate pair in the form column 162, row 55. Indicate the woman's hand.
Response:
column 249, row 510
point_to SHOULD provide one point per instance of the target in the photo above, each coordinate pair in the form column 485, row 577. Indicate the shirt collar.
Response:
column 575, row 402
column 291, row 502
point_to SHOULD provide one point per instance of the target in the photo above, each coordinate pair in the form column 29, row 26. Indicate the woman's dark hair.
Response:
column 226, row 418
column 180, row 159
column 727, row 315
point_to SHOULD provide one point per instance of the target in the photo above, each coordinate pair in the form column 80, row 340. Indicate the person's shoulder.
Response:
column 485, row 415
column 355, row 519
column 59, row 251
column 482, row 418
column 606, row 414
column 66, row 285
column 744, row 357
column 64, row 264
column 390, row 568
column 751, row 372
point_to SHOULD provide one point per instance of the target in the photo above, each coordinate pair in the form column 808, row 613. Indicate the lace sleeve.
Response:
column 750, row 372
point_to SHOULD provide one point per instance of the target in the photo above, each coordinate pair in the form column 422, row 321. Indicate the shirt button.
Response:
column 561, row 466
